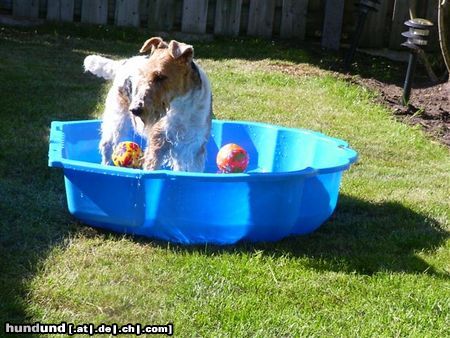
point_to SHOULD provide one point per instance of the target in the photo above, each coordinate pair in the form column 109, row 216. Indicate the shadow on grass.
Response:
column 42, row 81
column 121, row 41
column 247, row 48
column 361, row 238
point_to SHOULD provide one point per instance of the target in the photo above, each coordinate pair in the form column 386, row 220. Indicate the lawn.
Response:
column 379, row 267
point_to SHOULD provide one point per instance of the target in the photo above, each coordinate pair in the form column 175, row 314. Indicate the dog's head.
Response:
column 168, row 73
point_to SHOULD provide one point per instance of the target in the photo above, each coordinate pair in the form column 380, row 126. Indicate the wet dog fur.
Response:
column 165, row 96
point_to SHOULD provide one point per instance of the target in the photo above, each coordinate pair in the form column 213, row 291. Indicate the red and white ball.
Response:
column 232, row 158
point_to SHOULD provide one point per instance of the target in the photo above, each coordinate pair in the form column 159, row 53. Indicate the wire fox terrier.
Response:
column 165, row 97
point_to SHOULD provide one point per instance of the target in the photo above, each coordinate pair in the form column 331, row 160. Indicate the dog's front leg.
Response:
column 112, row 132
column 198, row 164
column 157, row 148
column 106, row 147
column 115, row 122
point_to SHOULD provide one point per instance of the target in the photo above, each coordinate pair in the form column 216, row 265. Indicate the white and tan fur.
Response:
column 165, row 97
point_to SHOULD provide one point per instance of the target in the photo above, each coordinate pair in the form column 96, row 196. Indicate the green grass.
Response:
column 379, row 267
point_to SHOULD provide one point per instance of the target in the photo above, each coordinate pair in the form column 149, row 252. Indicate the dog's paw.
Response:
column 106, row 162
column 106, row 150
column 150, row 163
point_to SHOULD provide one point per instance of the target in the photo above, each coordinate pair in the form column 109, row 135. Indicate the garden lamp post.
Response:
column 416, row 39
column 364, row 7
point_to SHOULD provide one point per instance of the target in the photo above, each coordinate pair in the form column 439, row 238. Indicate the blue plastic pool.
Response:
column 291, row 185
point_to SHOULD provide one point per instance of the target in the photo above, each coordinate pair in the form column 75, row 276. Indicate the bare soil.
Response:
column 429, row 105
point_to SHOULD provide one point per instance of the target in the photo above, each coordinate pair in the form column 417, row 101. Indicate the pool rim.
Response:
column 56, row 159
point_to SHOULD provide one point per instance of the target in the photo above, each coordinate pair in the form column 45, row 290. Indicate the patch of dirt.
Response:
column 429, row 105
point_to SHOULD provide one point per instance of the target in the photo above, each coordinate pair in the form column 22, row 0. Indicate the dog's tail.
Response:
column 101, row 66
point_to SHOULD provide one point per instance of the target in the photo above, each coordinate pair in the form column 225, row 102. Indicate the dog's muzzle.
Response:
column 147, row 117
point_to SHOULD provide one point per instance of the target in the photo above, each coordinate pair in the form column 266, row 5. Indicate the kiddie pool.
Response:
column 291, row 185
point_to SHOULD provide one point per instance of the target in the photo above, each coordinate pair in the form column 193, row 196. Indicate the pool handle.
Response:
column 56, row 146
column 351, row 155
column 342, row 145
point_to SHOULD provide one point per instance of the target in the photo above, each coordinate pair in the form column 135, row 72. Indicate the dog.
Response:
column 165, row 96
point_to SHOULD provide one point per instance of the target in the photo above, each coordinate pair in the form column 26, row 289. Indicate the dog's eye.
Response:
column 159, row 77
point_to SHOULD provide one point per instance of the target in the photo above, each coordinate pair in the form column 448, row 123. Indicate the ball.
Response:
column 232, row 158
column 127, row 154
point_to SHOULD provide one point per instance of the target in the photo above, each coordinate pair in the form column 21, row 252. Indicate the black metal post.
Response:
column 364, row 7
column 416, row 39
column 409, row 77
column 359, row 28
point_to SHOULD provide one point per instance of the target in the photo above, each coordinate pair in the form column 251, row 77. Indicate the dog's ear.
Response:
column 181, row 50
column 151, row 44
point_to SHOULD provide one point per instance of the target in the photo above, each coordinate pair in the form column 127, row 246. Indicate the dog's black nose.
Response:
column 137, row 111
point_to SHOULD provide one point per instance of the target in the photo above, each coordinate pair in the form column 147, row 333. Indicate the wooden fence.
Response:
column 331, row 21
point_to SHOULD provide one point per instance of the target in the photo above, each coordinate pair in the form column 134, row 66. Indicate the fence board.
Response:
column 94, row 11
column 332, row 25
column 261, row 15
column 293, row 19
column 194, row 17
column 228, row 17
column 375, row 27
column 262, row 18
column 60, row 10
column 127, row 13
column 161, row 15
column 26, row 8
column 399, row 16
